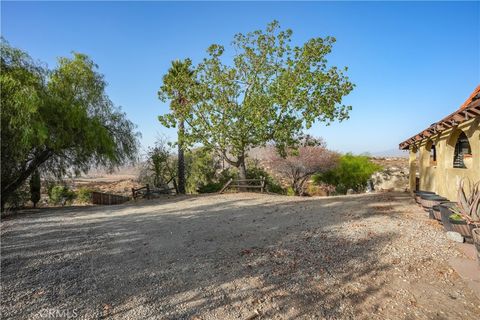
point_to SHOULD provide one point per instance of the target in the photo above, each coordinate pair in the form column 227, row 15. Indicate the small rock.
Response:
column 455, row 236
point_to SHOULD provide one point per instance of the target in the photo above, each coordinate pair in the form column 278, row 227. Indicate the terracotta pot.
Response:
column 445, row 212
column 461, row 227
column 476, row 242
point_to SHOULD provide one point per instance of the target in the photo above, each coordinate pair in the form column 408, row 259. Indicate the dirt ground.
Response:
column 233, row 256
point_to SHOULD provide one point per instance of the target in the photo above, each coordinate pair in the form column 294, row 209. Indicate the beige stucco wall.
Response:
column 442, row 178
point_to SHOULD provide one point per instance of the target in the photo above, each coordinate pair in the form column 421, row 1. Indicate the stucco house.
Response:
column 447, row 151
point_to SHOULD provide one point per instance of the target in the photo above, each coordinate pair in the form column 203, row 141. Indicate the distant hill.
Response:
column 390, row 153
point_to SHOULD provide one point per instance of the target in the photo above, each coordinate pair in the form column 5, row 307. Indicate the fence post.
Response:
column 148, row 191
column 262, row 183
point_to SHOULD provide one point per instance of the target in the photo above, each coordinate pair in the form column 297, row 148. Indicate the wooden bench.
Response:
column 245, row 184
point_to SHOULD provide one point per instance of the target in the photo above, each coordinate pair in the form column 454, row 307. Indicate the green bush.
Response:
column 290, row 192
column 352, row 172
column 18, row 199
column 200, row 170
column 84, row 195
column 254, row 171
column 211, row 187
column 227, row 174
column 61, row 195
column 219, row 180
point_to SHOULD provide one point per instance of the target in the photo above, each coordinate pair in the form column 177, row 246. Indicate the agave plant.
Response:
column 469, row 205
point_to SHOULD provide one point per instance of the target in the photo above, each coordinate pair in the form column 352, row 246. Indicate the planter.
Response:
column 435, row 212
column 418, row 193
column 445, row 212
column 476, row 242
column 428, row 201
column 462, row 227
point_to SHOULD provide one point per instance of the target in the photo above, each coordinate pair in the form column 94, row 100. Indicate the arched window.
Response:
column 462, row 151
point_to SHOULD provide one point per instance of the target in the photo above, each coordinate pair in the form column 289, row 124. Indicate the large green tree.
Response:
column 177, row 86
column 58, row 120
column 270, row 93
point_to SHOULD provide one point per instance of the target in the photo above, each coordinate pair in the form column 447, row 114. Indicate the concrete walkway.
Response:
column 468, row 268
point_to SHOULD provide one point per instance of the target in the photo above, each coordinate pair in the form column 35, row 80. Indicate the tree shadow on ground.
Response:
column 234, row 257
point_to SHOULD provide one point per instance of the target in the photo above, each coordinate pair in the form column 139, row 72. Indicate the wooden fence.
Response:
column 246, row 184
column 107, row 198
column 143, row 191
column 148, row 192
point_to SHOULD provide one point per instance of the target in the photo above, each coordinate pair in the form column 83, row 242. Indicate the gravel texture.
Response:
column 233, row 256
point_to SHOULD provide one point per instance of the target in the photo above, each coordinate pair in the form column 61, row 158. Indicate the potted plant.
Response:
column 446, row 210
column 466, row 215
column 460, row 225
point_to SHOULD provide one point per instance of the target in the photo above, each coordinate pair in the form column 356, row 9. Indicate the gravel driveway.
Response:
column 233, row 256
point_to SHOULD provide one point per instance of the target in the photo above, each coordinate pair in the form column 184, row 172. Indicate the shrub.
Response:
column 17, row 199
column 254, row 171
column 290, row 191
column 352, row 172
column 200, row 169
column 61, row 195
column 300, row 165
column 219, row 181
column 211, row 187
column 316, row 190
column 84, row 195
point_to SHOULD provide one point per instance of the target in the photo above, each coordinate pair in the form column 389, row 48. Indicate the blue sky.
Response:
column 412, row 63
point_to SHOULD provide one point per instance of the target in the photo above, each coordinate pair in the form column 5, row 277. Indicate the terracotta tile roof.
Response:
column 475, row 94
column 468, row 110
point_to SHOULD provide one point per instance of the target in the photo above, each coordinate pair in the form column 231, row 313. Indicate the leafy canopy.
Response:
column 271, row 93
column 59, row 119
column 177, row 86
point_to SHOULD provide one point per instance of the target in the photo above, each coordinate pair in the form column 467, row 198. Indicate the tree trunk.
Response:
column 242, row 170
column 175, row 186
column 181, row 159
column 10, row 188
column 296, row 188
